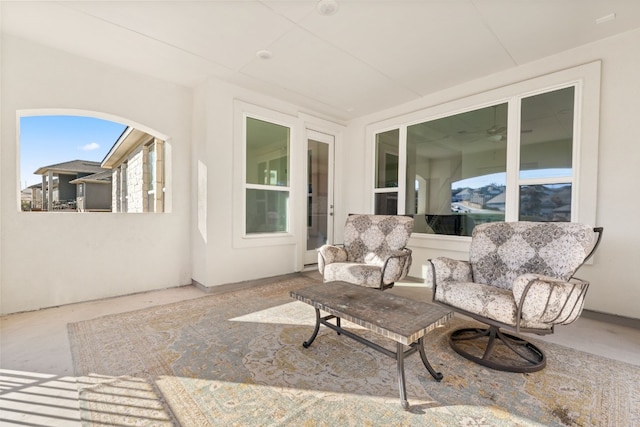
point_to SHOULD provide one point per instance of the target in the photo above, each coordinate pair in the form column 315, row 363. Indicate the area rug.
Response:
column 236, row 359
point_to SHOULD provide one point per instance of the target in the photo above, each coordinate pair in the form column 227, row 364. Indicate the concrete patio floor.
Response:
column 37, row 386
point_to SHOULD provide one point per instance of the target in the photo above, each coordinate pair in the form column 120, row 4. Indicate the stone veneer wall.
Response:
column 115, row 190
column 135, row 181
column 132, row 181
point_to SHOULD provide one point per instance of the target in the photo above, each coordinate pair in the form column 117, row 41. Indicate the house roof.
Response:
column 71, row 168
column 39, row 185
column 368, row 56
column 103, row 177
column 129, row 140
column 500, row 199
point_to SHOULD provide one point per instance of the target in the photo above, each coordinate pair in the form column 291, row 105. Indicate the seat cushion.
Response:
column 362, row 274
column 485, row 300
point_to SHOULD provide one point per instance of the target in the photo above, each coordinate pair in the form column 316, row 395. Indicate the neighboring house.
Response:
column 137, row 164
column 463, row 195
column 65, row 173
column 94, row 192
column 33, row 201
column 497, row 203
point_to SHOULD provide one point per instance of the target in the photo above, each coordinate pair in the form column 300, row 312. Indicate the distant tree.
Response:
column 531, row 197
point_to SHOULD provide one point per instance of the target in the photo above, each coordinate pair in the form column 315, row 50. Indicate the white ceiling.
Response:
column 370, row 55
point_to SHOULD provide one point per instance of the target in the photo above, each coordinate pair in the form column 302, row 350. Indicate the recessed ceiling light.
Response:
column 327, row 7
column 606, row 18
column 264, row 54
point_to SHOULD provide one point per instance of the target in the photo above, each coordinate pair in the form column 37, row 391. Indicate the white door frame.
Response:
column 336, row 130
column 310, row 256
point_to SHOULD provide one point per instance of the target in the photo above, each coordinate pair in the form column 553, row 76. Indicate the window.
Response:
column 387, row 161
column 266, row 177
column 528, row 155
column 456, row 170
column 546, row 156
column 154, row 176
column 269, row 186
column 122, row 168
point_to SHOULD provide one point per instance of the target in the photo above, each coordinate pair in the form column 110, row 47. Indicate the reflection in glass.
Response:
column 550, row 202
column 267, row 153
column 267, row 172
column 266, row 211
column 456, row 171
column 386, row 203
column 387, row 144
column 546, row 134
column 317, row 193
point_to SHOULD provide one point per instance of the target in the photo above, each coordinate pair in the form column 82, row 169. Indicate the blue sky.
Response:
column 47, row 140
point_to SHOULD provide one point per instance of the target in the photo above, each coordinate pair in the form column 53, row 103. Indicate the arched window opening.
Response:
column 80, row 163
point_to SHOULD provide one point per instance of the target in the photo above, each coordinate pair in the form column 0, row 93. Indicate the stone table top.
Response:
column 401, row 319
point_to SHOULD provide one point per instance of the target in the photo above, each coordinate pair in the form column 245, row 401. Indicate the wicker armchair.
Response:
column 374, row 253
column 519, row 278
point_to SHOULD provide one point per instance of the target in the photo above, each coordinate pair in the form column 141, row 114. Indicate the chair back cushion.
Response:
column 502, row 251
column 370, row 237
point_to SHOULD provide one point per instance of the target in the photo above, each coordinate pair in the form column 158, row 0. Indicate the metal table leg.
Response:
column 423, row 355
column 308, row 342
column 401, row 385
column 399, row 354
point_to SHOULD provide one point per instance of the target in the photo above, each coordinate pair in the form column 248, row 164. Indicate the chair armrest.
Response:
column 396, row 266
column 328, row 254
column 447, row 269
column 545, row 300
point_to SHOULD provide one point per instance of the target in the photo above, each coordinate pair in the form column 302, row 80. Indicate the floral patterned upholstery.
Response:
column 374, row 253
column 519, row 274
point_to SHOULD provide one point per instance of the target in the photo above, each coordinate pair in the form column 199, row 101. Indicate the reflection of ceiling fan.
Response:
column 499, row 133
column 496, row 133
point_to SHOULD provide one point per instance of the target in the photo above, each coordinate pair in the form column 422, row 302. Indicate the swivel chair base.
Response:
column 497, row 350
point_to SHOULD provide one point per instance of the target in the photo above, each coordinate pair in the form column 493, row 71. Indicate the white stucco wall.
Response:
column 50, row 259
column 115, row 254
column 615, row 285
column 218, row 257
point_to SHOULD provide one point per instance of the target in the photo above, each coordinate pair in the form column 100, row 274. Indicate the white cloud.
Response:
column 90, row 146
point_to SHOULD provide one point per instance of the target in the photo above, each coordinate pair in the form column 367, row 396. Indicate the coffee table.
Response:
column 400, row 319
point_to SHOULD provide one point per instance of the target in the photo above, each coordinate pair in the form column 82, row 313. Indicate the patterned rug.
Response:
column 236, row 359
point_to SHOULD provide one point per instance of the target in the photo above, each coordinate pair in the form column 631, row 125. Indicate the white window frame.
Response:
column 402, row 166
column 585, row 78
column 241, row 239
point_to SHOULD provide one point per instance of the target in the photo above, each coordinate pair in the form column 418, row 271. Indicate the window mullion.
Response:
column 402, row 170
column 267, row 187
column 543, row 181
column 513, row 160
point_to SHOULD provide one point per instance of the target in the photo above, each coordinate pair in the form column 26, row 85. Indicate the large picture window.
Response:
column 456, row 170
column 523, row 157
